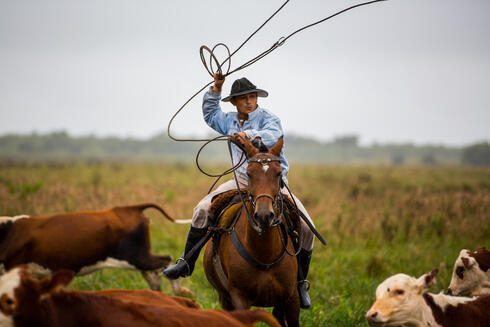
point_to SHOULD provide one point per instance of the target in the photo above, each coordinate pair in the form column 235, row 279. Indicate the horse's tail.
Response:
column 144, row 206
column 250, row 317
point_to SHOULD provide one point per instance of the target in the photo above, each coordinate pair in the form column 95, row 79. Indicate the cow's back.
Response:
column 67, row 240
column 148, row 297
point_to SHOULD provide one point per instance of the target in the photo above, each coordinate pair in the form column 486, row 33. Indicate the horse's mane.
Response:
column 257, row 142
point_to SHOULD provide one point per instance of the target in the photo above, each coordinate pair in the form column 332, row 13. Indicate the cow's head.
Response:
column 20, row 294
column 398, row 299
column 468, row 277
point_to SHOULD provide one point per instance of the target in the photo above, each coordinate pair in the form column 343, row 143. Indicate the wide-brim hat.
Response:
column 244, row 86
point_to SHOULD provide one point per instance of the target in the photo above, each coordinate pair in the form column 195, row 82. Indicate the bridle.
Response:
column 277, row 205
column 275, row 200
column 264, row 161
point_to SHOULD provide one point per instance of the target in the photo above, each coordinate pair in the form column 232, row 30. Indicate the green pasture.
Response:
column 377, row 220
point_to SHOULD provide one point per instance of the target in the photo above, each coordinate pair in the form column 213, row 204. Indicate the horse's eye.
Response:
column 400, row 292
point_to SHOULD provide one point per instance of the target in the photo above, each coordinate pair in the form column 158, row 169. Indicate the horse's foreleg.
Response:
column 280, row 315
column 226, row 302
column 292, row 311
column 239, row 301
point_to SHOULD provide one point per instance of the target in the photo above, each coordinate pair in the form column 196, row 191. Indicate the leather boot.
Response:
column 185, row 267
column 304, row 258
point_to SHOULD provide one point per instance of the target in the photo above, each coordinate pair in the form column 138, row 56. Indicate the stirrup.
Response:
column 186, row 264
column 305, row 281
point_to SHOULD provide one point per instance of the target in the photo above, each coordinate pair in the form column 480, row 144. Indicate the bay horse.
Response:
column 258, row 274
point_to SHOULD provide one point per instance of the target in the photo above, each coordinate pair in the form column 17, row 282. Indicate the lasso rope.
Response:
column 209, row 67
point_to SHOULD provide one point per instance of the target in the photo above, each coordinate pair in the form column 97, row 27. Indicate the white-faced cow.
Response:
column 471, row 273
column 84, row 242
column 29, row 302
column 402, row 300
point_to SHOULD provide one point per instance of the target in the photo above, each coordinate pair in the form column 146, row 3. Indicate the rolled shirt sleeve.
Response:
column 212, row 113
column 270, row 132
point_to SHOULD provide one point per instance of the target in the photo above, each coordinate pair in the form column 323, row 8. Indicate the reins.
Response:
column 252, row 221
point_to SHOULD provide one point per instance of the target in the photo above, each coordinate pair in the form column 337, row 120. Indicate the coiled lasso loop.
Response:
column 212, row 58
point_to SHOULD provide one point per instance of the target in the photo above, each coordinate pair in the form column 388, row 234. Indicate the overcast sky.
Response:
column 395, row 71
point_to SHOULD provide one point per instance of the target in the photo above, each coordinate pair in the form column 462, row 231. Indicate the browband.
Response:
column 264, row 161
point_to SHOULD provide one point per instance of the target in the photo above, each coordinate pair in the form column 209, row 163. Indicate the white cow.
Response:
column 402, row 300
column 471, row 273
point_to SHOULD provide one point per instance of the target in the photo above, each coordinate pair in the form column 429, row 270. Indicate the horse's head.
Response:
column 264, row 180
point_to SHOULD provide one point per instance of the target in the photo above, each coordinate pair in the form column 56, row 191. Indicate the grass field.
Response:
column 377, row 221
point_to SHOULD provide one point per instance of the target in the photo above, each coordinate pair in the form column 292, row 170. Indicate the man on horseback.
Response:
column 250, row 121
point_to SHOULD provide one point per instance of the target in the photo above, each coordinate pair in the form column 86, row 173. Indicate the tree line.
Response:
column 60, row 145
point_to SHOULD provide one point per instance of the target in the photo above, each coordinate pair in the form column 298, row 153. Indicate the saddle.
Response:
column 226, row 206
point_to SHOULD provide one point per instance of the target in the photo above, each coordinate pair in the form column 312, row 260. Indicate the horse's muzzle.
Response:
column 264, row 218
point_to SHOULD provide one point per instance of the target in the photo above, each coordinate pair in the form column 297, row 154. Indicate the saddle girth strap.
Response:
column 218, row 267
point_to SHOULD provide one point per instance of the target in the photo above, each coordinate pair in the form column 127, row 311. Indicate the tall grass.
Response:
column 377, row 220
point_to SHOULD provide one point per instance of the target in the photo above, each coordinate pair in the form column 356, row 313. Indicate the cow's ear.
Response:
column 468, row 262
column 58, row 279
column 427, row 280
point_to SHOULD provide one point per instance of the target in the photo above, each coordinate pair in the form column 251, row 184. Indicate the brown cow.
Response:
column 402, row 300
column 28, row 302
column 84, row 242
column 148, row 297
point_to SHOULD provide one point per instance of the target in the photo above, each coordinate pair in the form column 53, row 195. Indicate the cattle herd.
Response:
column 41, row 255
column 402, row 300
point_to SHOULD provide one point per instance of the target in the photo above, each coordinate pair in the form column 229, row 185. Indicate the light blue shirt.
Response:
column 261, row 122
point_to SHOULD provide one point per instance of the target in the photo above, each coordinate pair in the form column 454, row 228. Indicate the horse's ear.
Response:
column 276, row 148
column 250, row 150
